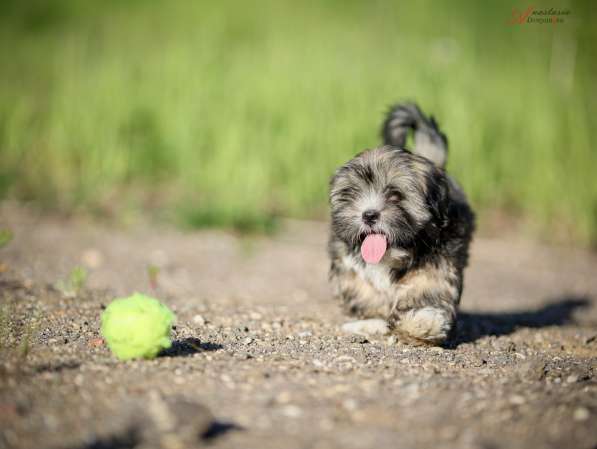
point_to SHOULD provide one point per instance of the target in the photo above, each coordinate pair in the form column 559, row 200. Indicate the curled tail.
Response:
column 430, row 142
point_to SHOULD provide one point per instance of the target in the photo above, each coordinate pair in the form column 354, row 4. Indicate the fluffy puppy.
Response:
column 400, row 231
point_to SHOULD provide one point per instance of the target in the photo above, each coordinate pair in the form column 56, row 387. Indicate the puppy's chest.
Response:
column 378, row 276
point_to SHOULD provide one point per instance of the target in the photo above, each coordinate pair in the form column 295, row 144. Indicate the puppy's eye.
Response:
column 346, row 194
column 394, row 196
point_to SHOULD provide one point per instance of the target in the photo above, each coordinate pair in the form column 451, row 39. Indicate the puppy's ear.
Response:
column 437, row 201
column 336, row 182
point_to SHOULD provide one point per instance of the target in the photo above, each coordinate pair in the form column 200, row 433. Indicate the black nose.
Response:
column 370, row 216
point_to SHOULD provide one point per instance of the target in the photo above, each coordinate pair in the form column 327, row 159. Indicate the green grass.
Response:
column 76, row 281
column 234, row 113
column 6, row 236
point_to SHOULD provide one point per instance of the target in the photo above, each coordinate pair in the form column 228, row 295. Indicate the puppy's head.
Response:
column 391, row 193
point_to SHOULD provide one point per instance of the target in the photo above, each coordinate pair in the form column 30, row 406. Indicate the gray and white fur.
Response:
column 426, row 219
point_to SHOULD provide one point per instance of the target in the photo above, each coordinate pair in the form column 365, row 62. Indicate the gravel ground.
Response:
column 259, row 359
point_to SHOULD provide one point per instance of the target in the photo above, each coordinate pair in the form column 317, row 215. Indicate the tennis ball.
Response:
column 137, row 327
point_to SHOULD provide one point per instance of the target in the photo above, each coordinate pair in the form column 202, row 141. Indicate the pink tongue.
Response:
column 373, row 248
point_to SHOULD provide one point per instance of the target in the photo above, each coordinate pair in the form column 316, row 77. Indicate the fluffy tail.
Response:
column 430, row 142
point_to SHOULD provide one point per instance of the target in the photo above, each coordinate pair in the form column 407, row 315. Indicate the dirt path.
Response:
column 259, row 360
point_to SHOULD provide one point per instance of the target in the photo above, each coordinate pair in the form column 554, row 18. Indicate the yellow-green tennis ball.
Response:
column 137, row 327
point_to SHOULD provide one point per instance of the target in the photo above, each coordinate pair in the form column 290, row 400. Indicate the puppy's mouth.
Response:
column 372, row 230
column 373, row 247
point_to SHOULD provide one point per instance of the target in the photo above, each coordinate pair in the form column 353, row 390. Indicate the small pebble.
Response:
column 581, row 414
column 284, row 397
column 226, row 378
column 350, row 404
column 361, row 339
column 532, row 370
column 96, row 342
column 292, row 411
column 199, row 320
column 79, row 380
column 243, row 356
column 92, row 258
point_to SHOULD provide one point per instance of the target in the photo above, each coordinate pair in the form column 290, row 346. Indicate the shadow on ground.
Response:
column 219, row 428
column 129, row 439
column 188, row 347
column 133, row 437
column 472, row 326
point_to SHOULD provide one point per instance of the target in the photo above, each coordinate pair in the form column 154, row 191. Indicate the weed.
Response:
column 6, row 236
column 74, row 283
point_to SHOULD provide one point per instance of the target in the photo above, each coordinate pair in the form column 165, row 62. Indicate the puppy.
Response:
column 400, row 231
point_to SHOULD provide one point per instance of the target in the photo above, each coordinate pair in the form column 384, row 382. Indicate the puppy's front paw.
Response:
column 429, row 324
column 366, row 327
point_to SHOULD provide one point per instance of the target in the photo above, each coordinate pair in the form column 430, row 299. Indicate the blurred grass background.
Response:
column 234, row 113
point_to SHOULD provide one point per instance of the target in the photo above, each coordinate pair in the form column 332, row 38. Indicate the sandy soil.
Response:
column 259, row 360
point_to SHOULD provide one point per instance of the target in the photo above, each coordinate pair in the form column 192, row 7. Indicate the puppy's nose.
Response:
column 370, row 216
